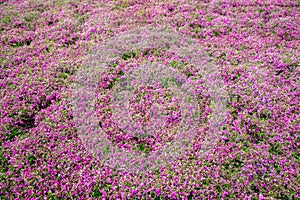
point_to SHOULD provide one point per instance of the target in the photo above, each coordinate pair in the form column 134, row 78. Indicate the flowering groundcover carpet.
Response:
column 131, row 99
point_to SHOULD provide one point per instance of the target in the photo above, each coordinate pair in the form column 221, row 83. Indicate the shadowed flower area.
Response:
column 255, row 46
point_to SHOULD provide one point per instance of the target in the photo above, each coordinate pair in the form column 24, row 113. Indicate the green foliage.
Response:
column 277, row 167
column 254, row 188
column 51, row 196
column 3, row 163
column 96, row 189
column 142, row 148
column 63, row 75
column 158, row 197
column 219, row 189
column 195, row 28
column 29, row 17
column 168, row 82
column 71, row 42
column 129, row 55
column 235, row 97
column 228, row 30
column 81, row 18
column 245, row 149
column 176, row 64
column 259, row 136
column 296, row 155
column 121, row 5
column 234, row 164
column 188, row 74
column 276, row 149
column 110, row 85
column 14, row 132
column 260, row 10
column 31, row 159
column 20, row 43
column 6, row 19
column 210, row 18
column 206, row 182
column 120, row 73
column 192, row 157
column 216, row 33
column 153, row 196
column 96, row 192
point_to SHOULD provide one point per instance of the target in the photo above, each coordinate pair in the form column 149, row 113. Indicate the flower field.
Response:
column 157, row 99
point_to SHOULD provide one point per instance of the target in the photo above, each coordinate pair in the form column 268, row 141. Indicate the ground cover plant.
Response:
column 253, row 44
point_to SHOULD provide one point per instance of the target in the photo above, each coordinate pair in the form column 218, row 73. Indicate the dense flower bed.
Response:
column 255, row 45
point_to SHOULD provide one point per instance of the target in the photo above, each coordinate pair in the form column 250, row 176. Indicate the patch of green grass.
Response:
column 157, row 172
column 154, row 196
column 287, row 59
column 58, row 2
column 274, row 32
